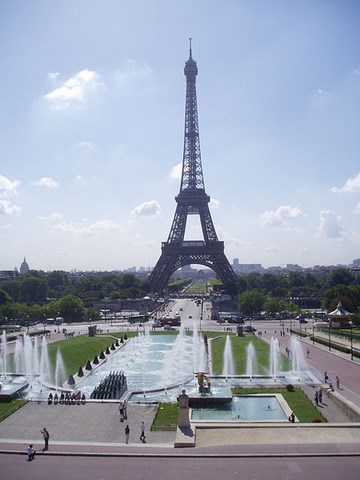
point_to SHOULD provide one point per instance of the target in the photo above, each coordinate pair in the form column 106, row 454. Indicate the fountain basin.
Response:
column 246, row 408
column 12, row 387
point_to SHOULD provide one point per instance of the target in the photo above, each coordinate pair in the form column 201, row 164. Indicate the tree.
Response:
column 71, row 308
column 5, row 297
column 251, row 302
column 32, row 289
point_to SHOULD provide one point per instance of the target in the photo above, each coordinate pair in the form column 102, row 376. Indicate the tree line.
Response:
column 39, row 295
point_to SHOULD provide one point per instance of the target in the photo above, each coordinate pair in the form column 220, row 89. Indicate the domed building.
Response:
column 24, row 267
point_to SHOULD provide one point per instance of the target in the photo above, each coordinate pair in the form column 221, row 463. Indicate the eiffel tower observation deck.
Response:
column 192, row 200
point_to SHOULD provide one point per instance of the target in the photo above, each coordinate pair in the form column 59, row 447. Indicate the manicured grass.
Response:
column 239, row 350
column 166, row 417
column 304, row 410
column 7, row 408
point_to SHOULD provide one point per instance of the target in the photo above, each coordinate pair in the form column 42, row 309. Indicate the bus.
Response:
column 138, row 318
column 173, row 322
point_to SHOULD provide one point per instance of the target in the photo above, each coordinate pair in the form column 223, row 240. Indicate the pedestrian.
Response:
column 316, row 398
column 121, row 411
column 337, row 382
column 326, row 377
column 320, row 395
column 292, row 418
column 127, row 434
column 308, row 353
column 125, row 404
column 46, row 437
column 31, row 453
column 142, row 430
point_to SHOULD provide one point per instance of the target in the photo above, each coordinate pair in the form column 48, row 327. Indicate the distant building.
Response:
column 24, row 267
column 247, row 267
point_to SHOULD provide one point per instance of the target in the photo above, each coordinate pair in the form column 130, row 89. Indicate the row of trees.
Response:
column 38, row 286
column 253, row 302
column 69, row 307
column 39, row 295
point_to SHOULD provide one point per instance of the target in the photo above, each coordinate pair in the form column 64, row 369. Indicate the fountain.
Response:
column 157, row 367
column 297, row 355
column 60, row 376
column 274, row 357
column 228, row 364
column 199, row 352
column 30, row 363
column 251, row 361
column 4, row 353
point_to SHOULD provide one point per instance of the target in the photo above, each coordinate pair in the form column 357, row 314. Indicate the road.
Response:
column 174, row 468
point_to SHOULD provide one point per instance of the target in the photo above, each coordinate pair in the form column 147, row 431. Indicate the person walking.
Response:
column 337, row 382
column 46, row 437
column 121, row 411
column 127, row 434
column 316, row 398
column 125, row 405
column 142, row 430
column 320, row 395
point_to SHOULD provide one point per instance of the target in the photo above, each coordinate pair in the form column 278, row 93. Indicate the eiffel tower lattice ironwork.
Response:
column 192, row 200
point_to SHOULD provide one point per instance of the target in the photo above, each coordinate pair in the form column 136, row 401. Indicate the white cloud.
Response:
column 132, row 70
column 331, row 225
column 46, row 182
column 357, row 208
column 53, row 75
column 53, row 217
column 83, row 229
column 7, row 186
column 150, row 208
column 214, row 203
column 280, row 216
column 74, row 91
column 175, row 172
column 86, row 145
column 351, row 185
column 7, row 208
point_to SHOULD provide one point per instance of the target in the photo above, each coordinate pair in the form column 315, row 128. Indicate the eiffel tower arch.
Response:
column 192, row 200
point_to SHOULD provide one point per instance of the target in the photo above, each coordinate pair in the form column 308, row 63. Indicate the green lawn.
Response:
column 239, row 349
column 166, row 417
column 76, row 351
column 7, row 408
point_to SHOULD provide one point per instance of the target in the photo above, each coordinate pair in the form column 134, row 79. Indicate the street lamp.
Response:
column 351, row 340
column 201, row 311
column 313, row 335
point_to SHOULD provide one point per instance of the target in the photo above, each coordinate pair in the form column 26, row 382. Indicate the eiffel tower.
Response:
column 192, row 200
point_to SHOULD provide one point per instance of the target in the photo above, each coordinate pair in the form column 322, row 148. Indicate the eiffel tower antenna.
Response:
column 192, row 200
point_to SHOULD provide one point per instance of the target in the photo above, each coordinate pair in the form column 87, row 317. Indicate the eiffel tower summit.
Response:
column 192, row 200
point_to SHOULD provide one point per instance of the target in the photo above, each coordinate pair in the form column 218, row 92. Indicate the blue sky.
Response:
column 92, row 98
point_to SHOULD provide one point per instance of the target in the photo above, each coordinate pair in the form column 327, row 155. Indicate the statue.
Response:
column 184, row 420
column 203, row 382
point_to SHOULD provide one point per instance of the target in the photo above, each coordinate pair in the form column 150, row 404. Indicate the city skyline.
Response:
column 91, row 130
